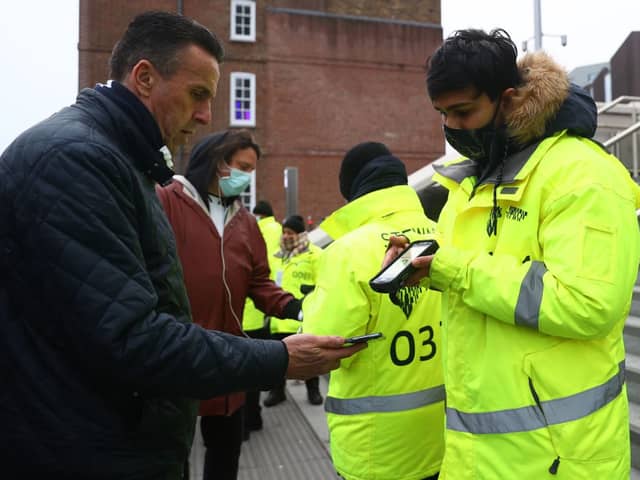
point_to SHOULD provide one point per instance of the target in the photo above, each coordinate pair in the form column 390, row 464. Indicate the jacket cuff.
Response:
column 273, row 377
column 447, row 267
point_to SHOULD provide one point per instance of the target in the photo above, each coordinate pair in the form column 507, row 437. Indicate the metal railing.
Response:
column 614, row 143
column 623, row 99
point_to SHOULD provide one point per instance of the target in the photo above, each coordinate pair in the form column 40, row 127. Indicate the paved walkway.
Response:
column 293, row 445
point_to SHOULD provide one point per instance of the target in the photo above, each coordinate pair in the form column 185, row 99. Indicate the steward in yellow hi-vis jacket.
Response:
column 296, row 273
column 385, row 405
column 539, row 252
column 253, row 319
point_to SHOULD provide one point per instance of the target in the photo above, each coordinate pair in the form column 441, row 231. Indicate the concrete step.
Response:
column 635, row 474
column 632, row 335
column 632, row 365
column 634, row 421
column 635, row 302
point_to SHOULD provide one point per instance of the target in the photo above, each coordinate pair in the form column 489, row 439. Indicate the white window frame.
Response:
column 248, row 197
column 233, row 98
column 242, row 37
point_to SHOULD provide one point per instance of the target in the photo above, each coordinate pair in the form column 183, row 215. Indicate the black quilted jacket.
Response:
column 99, row 363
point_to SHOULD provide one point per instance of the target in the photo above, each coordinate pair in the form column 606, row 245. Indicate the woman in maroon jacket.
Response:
column 224, row 258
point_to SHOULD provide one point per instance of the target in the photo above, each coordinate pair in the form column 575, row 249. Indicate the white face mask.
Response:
column 235, row 183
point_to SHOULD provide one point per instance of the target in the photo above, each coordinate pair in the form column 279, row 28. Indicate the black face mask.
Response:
column 474, row 143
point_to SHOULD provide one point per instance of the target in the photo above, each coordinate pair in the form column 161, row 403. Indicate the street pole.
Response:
column 537, row 25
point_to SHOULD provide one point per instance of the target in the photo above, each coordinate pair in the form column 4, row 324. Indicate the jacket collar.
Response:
column 136, row 141
column 371, row 206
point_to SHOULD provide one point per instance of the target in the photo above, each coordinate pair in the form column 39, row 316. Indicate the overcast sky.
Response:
column 39, row 38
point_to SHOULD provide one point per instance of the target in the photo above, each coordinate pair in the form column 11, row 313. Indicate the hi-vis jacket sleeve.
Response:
column 340, row 304
column 580, row 288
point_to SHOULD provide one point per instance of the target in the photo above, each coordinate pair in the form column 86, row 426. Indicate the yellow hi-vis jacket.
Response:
column 253, row 319
column 533, row 316
column 385, row 404
column 292, row 273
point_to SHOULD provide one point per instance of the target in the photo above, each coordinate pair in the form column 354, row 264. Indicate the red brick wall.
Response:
column 332, row 84
column 324, row 83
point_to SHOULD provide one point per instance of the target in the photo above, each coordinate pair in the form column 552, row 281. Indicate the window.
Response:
column 243, row 21
column 243, row 99
column 248, row 197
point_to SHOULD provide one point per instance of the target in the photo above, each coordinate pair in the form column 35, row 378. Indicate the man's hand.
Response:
column 311, row 355
column 423, row 264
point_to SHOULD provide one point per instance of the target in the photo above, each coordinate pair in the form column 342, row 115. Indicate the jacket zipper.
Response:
column 553, row 469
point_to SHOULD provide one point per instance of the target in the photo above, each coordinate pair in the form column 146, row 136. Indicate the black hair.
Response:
column 474, row 58
column 263, row 208
column 159, row 37
column 210, row 152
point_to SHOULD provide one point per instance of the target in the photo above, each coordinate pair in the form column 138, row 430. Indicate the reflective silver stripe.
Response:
column 502, row 421
column 390, row 403
column 528, row 307
column 532, row 418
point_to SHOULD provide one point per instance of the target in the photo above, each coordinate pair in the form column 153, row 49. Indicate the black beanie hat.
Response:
column 263, row 208
column 354, row 160
column 295, row 223
column 368, row 167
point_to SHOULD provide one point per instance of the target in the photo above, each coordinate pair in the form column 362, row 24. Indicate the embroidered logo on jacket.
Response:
column 515, row 213
column 406, row 298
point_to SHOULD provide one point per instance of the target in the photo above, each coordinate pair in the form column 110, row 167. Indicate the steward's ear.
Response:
column 507, row 99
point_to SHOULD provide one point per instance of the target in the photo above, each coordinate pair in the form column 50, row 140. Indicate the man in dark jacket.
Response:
column 100, row 365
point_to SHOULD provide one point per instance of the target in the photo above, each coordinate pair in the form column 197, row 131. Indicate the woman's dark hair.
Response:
column 159, row 37
column 474, row 58
column 210, row 152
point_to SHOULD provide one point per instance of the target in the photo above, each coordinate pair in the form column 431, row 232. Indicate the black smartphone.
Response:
column 363, row 338
column 392, row 277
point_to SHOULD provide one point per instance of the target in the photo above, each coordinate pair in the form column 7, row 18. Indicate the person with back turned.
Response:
column 385, row 405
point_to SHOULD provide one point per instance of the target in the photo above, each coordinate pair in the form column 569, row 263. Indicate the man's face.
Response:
column 183, row 100
column 465, row 109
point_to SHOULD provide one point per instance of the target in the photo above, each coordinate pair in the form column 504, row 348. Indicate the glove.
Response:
column 293, row 310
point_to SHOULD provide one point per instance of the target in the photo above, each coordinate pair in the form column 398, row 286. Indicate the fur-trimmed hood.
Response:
column 546, row 102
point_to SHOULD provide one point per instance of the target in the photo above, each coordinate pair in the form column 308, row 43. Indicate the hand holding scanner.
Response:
column 392, row 277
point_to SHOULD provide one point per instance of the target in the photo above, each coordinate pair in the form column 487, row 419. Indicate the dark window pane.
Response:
column 238, row 93
column 247, row 83
column 246, row 105
column 238, row 30
column 238, row 115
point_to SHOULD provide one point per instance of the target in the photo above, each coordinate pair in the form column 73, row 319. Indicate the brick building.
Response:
column 311, row 79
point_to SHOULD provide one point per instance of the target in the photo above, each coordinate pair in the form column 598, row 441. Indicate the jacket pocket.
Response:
column 584, row 409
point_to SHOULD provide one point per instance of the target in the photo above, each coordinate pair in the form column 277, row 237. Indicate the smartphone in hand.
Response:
column 392, row 277
column 363, row 338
